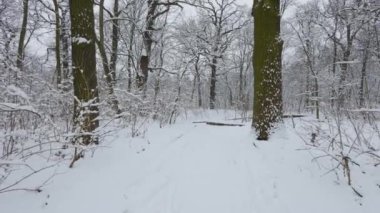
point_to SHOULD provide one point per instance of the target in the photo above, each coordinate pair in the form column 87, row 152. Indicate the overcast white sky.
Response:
column 247, row 2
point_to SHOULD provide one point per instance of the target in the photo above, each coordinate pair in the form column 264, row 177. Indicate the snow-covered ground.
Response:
column 198, row 168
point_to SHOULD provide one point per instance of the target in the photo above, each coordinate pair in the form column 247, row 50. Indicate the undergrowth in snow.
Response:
column 194, row 167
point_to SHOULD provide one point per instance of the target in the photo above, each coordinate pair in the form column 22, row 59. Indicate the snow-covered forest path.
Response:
column 194, row 168
column 203, row 169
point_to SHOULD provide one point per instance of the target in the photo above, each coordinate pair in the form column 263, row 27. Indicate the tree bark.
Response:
column 213, row 83
column 115, row 39
column 198, row 80
column 58, row 43
column 363, row 77
column 130, row 55
column 142, row 77
column 267, row 106
column 335, row 53
column 65, row 39
column 21, row 47
column 86, row 95
column 344, row 66
column 106, row 66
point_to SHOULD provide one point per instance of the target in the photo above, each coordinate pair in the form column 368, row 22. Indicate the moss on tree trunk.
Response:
column 267, row 106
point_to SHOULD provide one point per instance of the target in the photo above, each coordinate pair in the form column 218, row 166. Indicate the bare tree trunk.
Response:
column 193, row 89
column 142, row 77
column 129, row 70
column 308, row 89
column 230, row 93
column 86, row 94
column 65, row 37
column 333, row 92
column 267, row 109
column 377, row 42
column 316, row 96
column 115, row 39
column 344, row 67
column 198, row 81
column 199, row 89
column 157, row 83
column 106, row 67
column 101, row 47
column 130, row 55
column 310, row 64
column 21, row 47
column 363, row 77
column 213, row 82
column 241, row 95
column 157, row 87
column 58, row 43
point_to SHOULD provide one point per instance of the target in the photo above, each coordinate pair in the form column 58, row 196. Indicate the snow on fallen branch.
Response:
column 364, row 110
column 284, row 116
column 216, row 123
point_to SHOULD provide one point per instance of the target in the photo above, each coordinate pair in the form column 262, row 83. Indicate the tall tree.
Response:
column 151, row 16
column 57, row 42
column 109, row 74
column 132, row 13
column 221, row 20
column 65, row 39
column 267, row 105
column 114, row 38
column 21, row 45
column 156, row 9
column 84, row 70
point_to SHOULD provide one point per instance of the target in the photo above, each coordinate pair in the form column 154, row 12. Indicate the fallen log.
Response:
column 294, row 116
column 216, row 123
column 284, row 116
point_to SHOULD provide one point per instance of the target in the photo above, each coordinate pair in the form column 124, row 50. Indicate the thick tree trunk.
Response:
column 142, row 77
column 21, row 47
column 84, row 70
column 65, row 39
column 152, row 15
column 267, row 106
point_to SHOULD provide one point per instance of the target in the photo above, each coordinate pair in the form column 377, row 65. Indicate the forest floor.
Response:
column 198, row 168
